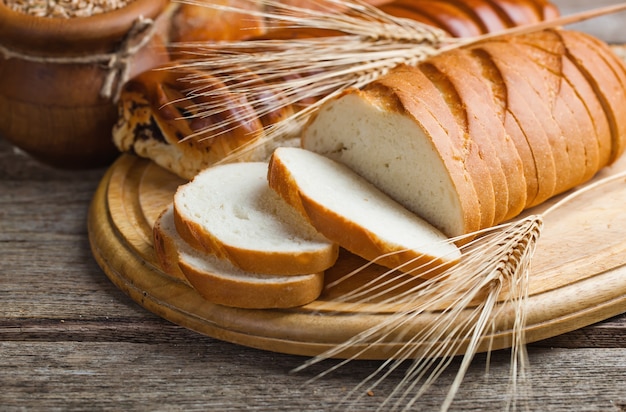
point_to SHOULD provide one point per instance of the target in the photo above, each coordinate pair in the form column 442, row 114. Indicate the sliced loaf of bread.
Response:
column 219, row 282
column 230, row 211
column 558, row 98
column 347, row 209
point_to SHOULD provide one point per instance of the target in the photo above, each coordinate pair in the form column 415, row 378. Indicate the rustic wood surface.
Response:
column 70, row 340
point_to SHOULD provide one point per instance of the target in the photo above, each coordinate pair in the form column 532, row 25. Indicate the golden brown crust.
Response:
column 157, row 121
column 566, row 148
column 568, row 108
column 489, row 109
column 241, row 293
column 491, row 75
column 407, row 13
column 606, row 72
column 445, row 15
column 166, row 250
column 531, row 122
column 518, row 12
column 477, row 121
column 484, row 14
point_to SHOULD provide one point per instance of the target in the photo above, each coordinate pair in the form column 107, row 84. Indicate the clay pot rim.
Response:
column 51, row 35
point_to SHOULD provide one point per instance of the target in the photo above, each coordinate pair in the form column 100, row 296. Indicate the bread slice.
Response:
column 480, row 161
column 506, row 151
column 229, row 210
column 219, row 282
column 618, row 68
column 423, row 98
column 491, row 75
column 594, row 108
column 580, row 133
column 489, row 135
column 562, row 129
column 352, row 212
column 605, row 83
column 532, row 121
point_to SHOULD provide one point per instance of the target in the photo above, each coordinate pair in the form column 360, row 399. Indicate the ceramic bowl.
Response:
column 59, row 78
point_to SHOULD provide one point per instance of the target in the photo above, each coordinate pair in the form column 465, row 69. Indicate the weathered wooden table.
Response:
column 70, row 340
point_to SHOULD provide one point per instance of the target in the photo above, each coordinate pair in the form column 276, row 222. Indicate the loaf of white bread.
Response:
column 472, row 137
column 157, row 116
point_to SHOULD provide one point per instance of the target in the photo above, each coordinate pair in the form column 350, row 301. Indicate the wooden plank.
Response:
column 202, row 374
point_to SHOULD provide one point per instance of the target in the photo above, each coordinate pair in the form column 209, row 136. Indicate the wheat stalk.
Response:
column 491, row 279
column 458, row 311
column 298, row 70
column 290, row 73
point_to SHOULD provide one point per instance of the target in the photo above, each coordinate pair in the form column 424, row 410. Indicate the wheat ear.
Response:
column 477, row 297
column 490, row 287
column 290, row 73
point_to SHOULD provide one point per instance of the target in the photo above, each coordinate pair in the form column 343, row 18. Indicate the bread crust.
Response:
column 618, row 70
column 155, row 122
column 567, row 146
column 488, row 134
column 581, row 135
column 240, row 293
column 512, row 162
column 519, row 105
column 605, row 82
column 491, row 75
column 446, row 16
column 518, row 12
column 166, row 247
column 407, row 13
column 483, row 13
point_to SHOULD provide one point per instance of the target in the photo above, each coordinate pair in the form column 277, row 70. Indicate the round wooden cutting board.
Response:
column 578, row 275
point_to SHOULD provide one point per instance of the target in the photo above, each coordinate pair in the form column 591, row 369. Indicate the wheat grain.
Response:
column 65, row 8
